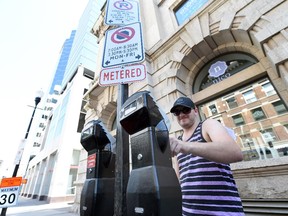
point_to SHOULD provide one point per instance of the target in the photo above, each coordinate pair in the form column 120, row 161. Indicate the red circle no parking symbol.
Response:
column 123, row 35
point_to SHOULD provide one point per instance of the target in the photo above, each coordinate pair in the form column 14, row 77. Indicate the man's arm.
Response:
column 175, row 166
column 220, row 146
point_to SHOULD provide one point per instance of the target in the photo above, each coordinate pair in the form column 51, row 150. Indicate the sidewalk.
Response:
column 34, row 207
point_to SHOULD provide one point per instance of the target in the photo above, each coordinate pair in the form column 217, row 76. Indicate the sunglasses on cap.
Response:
column 184, row 110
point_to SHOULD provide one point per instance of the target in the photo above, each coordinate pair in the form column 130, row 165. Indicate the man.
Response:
column 204, row 152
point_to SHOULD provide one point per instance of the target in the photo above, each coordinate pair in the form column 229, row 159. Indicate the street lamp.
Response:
column 38, row 97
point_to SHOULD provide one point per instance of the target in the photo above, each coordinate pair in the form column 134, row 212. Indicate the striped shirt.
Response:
column 208, row 188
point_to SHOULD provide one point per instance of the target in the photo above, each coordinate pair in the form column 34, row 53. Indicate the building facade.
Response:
column 62, row 64
column 187, row 45
column 40, row 125
column 52, row 172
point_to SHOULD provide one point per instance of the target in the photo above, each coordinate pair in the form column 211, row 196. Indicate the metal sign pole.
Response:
column 125, row 14
column 122, row 157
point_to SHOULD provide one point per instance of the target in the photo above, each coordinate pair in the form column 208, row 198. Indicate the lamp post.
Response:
column 38, row 97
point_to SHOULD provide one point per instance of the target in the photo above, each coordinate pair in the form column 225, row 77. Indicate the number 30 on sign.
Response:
column 9, row 196
column 9, row 191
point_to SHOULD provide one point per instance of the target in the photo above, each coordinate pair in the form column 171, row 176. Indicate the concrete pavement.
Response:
column 34, row 207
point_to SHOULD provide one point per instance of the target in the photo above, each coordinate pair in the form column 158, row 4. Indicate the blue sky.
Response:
column 32, row 33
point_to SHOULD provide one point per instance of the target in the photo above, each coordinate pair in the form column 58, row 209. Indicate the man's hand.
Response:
column 175, row 146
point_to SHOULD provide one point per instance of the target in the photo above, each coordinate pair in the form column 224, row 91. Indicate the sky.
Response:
column 32, row 33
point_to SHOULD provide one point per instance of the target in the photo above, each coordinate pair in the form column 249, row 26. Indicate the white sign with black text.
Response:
column 9, row 196
column 123, row 45
column 122, row 12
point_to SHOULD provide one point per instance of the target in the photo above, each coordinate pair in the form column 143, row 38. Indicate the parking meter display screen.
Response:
column 130, row 108
column 87, row 133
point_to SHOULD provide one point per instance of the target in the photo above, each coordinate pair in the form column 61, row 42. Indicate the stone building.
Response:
column 186, row 44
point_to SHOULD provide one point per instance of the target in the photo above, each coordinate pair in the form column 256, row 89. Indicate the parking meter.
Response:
column 153, row 188
column 97, row 196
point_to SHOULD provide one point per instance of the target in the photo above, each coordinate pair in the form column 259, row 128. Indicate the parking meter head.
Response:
column 95, row 136
column 138, row 112
column 162, row 135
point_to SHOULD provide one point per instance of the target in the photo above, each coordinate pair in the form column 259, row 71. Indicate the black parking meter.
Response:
column 153, row 188
column 97, row 196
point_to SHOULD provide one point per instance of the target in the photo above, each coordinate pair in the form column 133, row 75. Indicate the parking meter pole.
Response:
column 122, row 158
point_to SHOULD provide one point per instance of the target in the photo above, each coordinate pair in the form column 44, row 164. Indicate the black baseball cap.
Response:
column 184, row 102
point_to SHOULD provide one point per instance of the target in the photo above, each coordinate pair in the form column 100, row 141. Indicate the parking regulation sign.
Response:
column 120, row 12
column 123, row 45
column 120, row 75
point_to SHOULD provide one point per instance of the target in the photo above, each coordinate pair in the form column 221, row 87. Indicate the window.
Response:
column 249, row 151
column 35, row 144
column 81, row 122
column 247, row 140
column 54, row 101
column 249, row 96
column 268, row 135
column 232, row 103
column 238, row 120
column 38, row 134
column 213, row 109
column 187, row 9
column 75, row 158
column 82, row 115
column 84, row 102
column 261, row 132
column 279, row 107
column 268, row 89
column 258, row 114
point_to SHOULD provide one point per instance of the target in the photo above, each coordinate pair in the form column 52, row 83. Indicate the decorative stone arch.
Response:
column 102, row 105
column 189, row 66
column 108, row 114
column 256, row 34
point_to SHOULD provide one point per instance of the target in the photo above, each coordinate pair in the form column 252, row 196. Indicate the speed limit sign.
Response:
column 9, row 196
column 9, row 191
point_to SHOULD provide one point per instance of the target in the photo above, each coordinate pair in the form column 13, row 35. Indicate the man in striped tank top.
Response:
column 204, row 152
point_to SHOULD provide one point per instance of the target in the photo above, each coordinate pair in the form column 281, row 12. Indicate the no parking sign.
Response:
column 123, row 45
column 119, row 12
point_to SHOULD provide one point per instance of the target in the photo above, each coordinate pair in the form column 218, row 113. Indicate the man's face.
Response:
column 185, row 116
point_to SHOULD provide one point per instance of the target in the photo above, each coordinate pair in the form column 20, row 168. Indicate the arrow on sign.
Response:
column 123, row 45
column 107, row 62
column 120, row 12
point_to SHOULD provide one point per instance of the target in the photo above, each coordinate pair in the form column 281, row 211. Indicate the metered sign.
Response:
column 123, row 45
column 129, row 73
column 120, row 12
